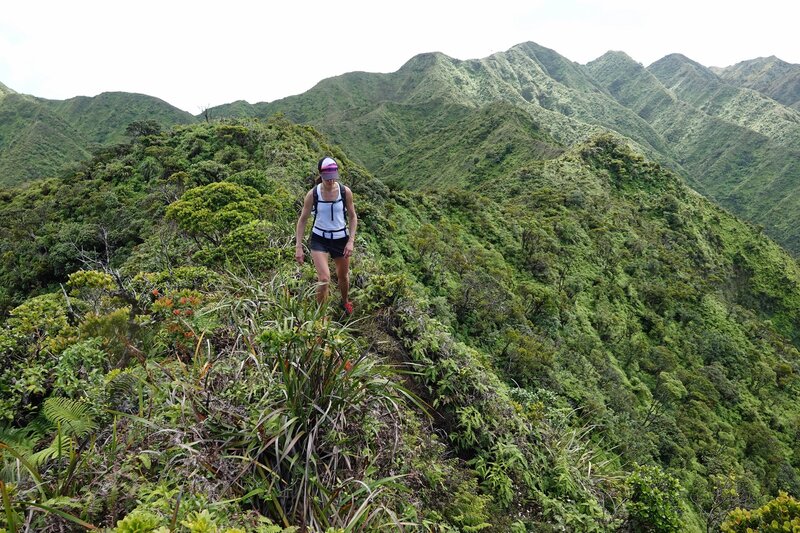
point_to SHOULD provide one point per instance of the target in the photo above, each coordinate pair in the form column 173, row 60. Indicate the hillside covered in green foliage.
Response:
column 731, row 133
column 738, row 146
column 582, row 344
column 768, row 75
column 39, row 137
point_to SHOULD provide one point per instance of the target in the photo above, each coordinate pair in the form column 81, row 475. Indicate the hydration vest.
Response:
column 334, row 227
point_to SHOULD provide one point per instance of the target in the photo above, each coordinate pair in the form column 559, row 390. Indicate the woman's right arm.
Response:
column 301, row 227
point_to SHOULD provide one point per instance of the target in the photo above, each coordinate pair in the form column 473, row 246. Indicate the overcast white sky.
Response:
column 196, row 54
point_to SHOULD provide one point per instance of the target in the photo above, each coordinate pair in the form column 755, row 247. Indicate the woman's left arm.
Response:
column 352, row 219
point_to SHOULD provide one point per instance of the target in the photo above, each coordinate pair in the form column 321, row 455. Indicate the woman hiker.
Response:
column 333, row 232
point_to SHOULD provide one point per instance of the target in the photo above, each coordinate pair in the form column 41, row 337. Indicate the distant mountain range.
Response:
column 768, row 75
column 732, row 133
column 38, row 136
column 733, row 143
column 736, row 145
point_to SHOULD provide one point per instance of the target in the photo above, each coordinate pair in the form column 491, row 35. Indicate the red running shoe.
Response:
column 348, row 308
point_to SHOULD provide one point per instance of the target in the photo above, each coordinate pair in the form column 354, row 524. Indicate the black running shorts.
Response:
column 335, row 247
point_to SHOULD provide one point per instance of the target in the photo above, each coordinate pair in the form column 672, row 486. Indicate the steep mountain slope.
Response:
column 472, row 149
column 376, row 116
column 768, row 75
column 637, row 89
column 734, row 145
column 39, row 137
column 701, row 88
column 740, row 148
column 5, row 90
column 34, row 141
column 600, row 348
column 103, row 118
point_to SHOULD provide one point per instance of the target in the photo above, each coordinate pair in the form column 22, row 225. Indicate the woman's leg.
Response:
column 343, row 276
column 323, row 274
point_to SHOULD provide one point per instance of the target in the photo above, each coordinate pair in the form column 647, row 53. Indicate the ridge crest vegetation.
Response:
column 579, row 343
column 731, row 133
column 730, row 141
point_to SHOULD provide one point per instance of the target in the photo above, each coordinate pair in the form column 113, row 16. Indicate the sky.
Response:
column 200, row 54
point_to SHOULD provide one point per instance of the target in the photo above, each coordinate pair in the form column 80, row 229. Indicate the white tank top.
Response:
column 329, row 219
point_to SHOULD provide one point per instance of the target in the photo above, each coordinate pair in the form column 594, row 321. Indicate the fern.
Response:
column 60, row 446
column 122, row 389
column 20, row 442
column 21, row 439
column 73, row 416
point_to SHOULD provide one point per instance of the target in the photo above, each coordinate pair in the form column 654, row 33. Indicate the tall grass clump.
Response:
column 316, row 401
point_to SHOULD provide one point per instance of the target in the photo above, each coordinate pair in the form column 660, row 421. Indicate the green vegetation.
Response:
column 39, row 137
column 768, row 75
column 579, row 343
column 430, row 123
column 736, row 146
column 780, row 514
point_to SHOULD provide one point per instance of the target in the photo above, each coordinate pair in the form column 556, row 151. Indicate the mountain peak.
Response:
column 553, row 64
column 768, row 75
column 678, row 65
column 541, row 54
column 760, row 63
column 677, row 59
column 615, row 55
column 531, row 47
column 4, row 90
column 425, row 60
column 613, row 66
column 617, row 59
column 769, row 60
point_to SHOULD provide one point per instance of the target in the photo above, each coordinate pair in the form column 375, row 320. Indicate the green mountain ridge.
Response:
column 599, row 347
column 102, row 119
column 735, row 145
column 740, row 148
column 39, row 137
column 569, row 107
column 768, row 75
column 34, row 141
column 5, row 90
column 701, row 88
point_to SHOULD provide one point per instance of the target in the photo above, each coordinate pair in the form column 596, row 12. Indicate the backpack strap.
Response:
column 344, row 203
column 314, row 209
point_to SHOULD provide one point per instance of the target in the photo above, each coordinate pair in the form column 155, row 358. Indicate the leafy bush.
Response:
column 211, row 211
column 80, row 369
column 138, row 521
column 654, row 501
column 777, row 515
column 36, row 332
column 469, row 509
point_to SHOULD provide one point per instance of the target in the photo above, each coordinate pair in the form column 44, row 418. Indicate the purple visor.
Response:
column 329, row 174
column 328, row 169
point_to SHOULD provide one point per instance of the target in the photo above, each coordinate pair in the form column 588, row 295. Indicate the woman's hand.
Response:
column 348, row 248
column 298, row 254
